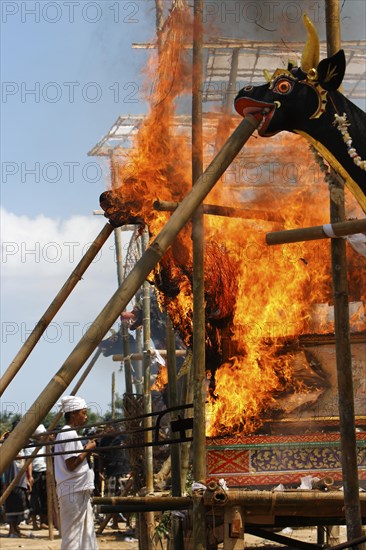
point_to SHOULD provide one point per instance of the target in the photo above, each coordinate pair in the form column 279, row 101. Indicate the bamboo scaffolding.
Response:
column 117, row 303
column 328, row 231
column 227, row 211
column 54, row 307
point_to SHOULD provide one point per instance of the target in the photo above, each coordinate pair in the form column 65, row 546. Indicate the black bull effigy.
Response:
column 305, row 100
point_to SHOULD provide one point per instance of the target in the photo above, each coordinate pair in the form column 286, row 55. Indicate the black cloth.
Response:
column 115, row 461
column 16, row 505
column 39, row 494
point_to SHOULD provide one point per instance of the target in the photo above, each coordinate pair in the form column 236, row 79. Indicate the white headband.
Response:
column 40, row 430
column 71, row 403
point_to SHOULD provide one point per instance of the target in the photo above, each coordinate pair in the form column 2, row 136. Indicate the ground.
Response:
column 39, row 540
column 122, row 540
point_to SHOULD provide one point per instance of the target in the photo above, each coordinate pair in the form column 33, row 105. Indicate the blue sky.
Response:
column 64, row 84
column 68, row 71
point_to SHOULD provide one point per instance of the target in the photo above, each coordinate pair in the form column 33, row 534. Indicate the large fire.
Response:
column 257, row 297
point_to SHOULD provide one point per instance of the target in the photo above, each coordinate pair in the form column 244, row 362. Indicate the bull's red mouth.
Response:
column 259, row 109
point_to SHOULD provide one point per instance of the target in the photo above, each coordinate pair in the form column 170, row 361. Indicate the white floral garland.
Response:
column 341, row 123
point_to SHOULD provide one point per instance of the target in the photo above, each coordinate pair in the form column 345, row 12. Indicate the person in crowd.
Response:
column 114, row 467
column 38, row 498
column 74, row 479
column 17, row 503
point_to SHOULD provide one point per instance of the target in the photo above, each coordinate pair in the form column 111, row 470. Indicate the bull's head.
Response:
column 305, row 100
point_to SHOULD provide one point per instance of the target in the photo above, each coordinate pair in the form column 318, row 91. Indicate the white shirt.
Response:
column 80, row 479
column 39, row 462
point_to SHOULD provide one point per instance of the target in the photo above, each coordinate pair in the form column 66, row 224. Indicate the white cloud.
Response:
column 43, row 247
column 38, row 256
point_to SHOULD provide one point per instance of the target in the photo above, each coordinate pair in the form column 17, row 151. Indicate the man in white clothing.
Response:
column 75, row 480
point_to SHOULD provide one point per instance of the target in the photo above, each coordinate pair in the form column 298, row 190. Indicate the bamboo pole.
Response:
column 199, row 327
column 127, row 487
column 159, row 22
column 174, row 449
column 173, row 402
column 283, row 503
column 146, row 332
column 109, row 314
column 138, row 370
column 120, row 277
column 55, row 305
column 231, row 89
column 152, row 353
column 270, row 504
column 139, row 381
column 327, row 231
column 225, row 211
column 355, row 543
column 50, row 499
column 127, row 360
column 138, row 375
column 146, row 522
column 146, row 324
column 230, row 43
column 187, row 397
column 146, row 503
column 342, row 325
column 113, row 396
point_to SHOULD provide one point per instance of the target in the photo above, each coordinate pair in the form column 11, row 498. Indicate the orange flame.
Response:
column 161, row 379
column 256, row 296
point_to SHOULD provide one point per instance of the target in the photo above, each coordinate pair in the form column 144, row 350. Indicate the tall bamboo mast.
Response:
column 138, row 378
column 199, row 369
column 120, row 277
column 146, row 325
column 341, row 323
column 174, row 449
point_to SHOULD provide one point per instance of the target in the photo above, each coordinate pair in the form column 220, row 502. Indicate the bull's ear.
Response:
column 331, row 71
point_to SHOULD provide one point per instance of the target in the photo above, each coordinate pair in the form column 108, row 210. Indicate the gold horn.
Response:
column 310, row 54
column 267, row 75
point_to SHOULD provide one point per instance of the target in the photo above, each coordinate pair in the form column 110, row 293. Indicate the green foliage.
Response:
column 118, row 405
column 93, row 418
column 163, row 527
column 107, row 416
column 6, row 421
column 49, row 419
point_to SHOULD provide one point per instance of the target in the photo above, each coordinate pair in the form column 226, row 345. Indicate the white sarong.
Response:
column 77, row 522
